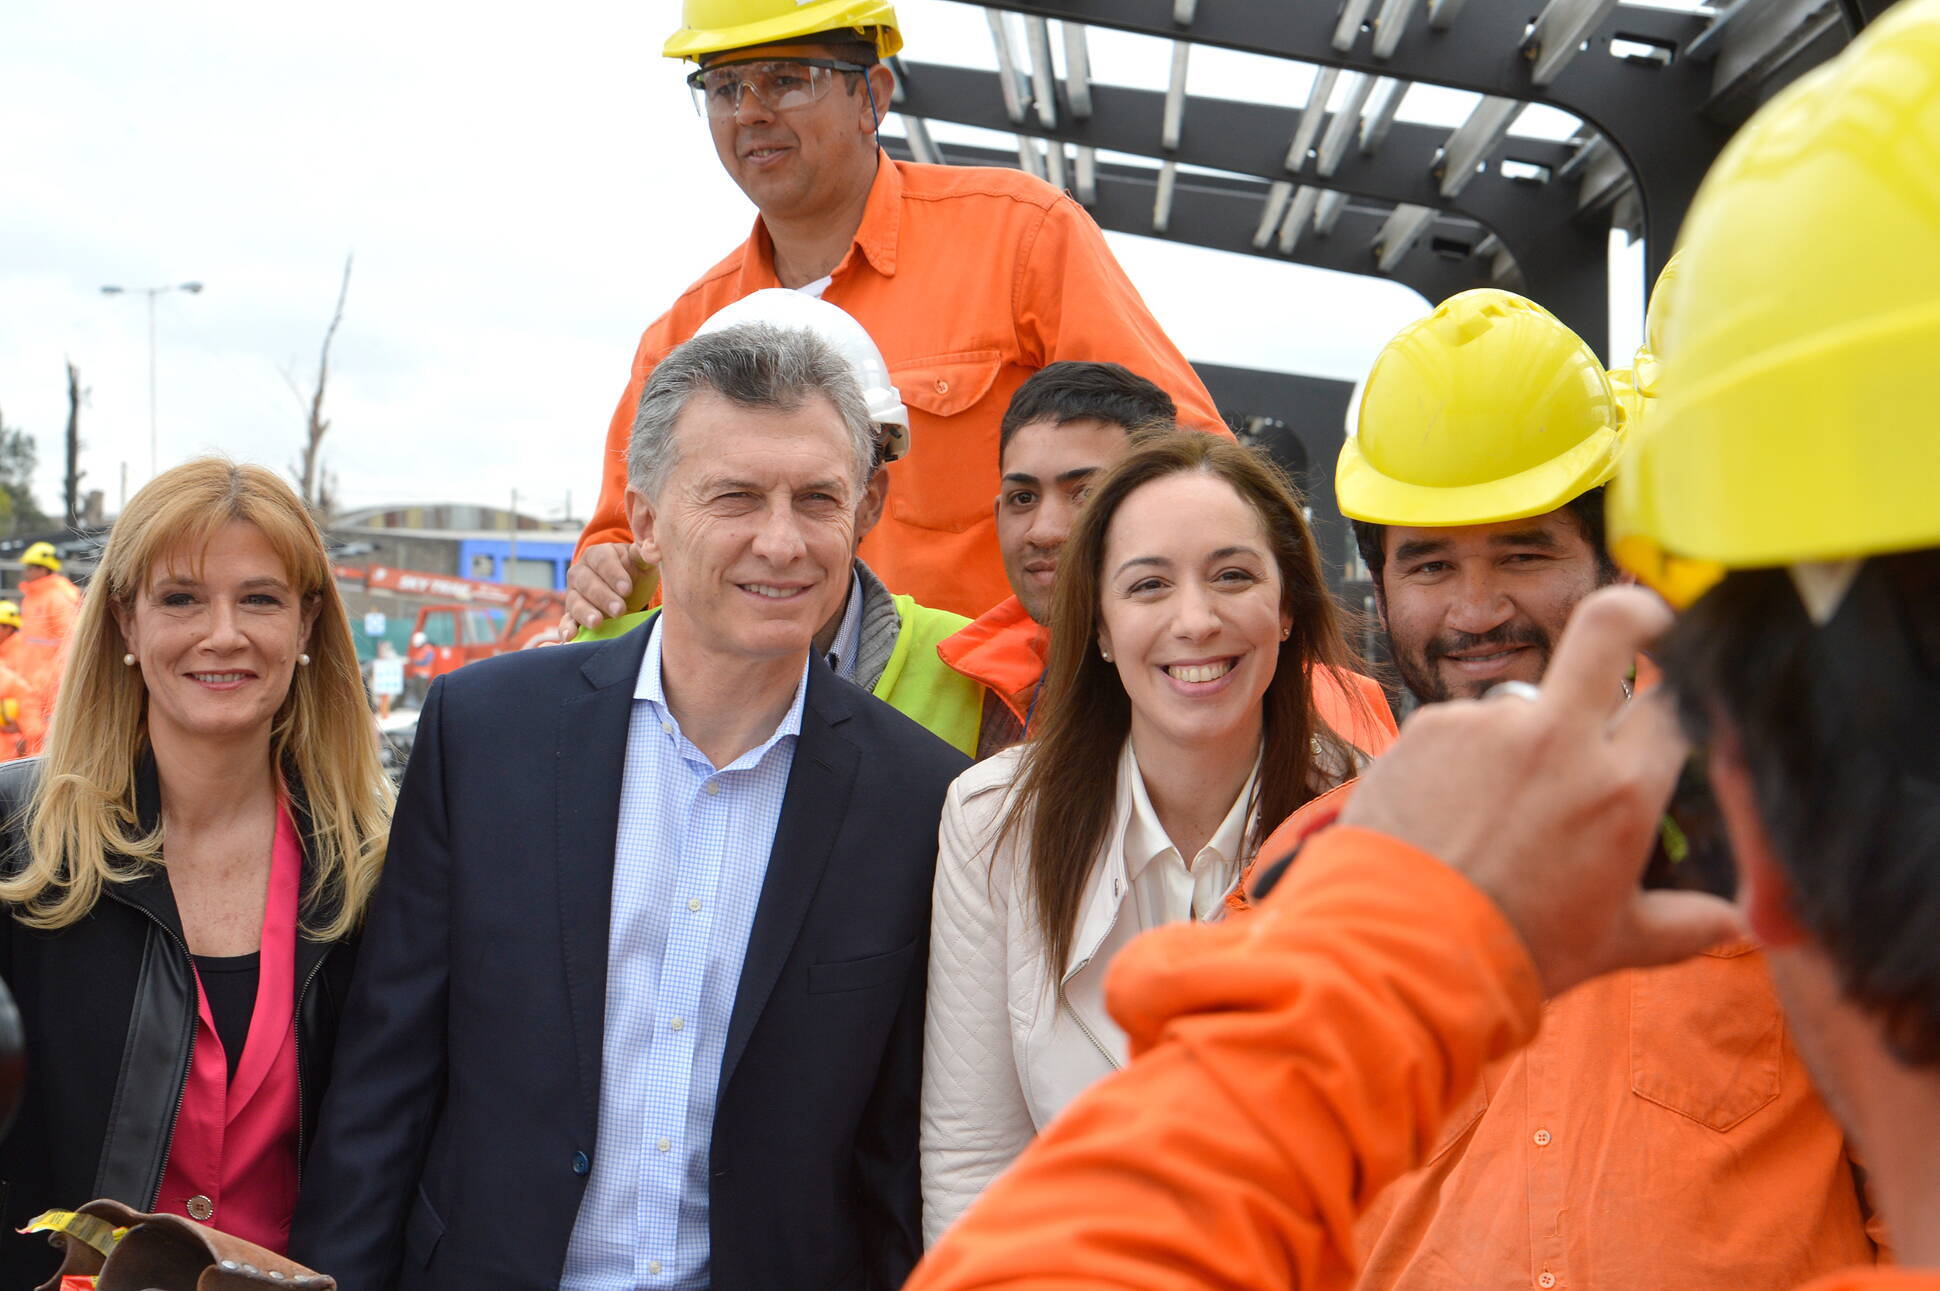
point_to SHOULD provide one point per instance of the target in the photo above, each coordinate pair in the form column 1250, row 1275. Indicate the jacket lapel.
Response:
column 813, row 807
column 589, row 763
column 161, row 1025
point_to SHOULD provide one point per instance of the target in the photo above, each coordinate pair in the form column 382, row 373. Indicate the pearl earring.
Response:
column 303, row 661
column 128, row 660
column 1106, row 654
column 1285, row 633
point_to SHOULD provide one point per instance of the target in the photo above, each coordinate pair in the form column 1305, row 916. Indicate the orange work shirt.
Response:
column 1666, row 1101
column 969, row 279
column 48, row 607
column 1290, row 1065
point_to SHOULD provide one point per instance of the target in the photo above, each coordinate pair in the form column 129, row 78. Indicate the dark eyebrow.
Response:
column 1416, row 548
column 1159, row 561
column 1019, row 477
column 1224, row 552
column 1539, row 538
column 1076, row 473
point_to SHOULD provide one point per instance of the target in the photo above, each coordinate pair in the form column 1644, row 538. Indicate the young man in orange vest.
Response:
column 969, row 279
column 1067, row 425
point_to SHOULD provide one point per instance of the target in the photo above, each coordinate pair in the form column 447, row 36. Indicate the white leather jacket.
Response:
column 1007, row 1043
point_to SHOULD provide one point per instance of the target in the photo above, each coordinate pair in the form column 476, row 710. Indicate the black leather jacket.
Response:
column 109, row 1007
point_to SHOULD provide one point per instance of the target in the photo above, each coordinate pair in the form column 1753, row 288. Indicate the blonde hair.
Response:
column 82, row 826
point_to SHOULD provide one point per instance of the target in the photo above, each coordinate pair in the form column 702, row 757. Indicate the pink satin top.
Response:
column 232, row 1160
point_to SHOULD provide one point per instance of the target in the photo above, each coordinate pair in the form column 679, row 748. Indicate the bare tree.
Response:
column 309, row 475
column 72, row 483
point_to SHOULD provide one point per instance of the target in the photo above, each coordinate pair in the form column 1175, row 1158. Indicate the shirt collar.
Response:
column 876, row 237
column 651, row 688
column 842, row 651
column 1146, row 839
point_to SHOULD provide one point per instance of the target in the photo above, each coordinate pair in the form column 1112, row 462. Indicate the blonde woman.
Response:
column 184, row 867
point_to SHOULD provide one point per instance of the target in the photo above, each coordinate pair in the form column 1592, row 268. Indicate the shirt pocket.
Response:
column 949, row 480
column 1707, row 1037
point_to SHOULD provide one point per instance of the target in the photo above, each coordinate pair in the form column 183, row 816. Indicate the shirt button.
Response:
column 678, row 1024
column 581, row 1163
column 942, row 386
column 664, row 1144
column 667, row 727
column 1542, row 1138
column 694, row 904
column 653, row 1267
column 200, row 1207
column 1546, row 1280
column 712, row 788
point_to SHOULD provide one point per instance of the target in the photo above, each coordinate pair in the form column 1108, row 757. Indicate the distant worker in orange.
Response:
column 18, row 698
column 419, row 666
column 969, row 279
column 49, row 601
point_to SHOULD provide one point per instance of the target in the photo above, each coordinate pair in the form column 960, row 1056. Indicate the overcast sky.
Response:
column 522, row 196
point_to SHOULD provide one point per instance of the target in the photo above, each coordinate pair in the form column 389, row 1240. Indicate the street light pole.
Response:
column 154, row 440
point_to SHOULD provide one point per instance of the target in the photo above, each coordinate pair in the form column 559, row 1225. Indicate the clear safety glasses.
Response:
column 781, row 84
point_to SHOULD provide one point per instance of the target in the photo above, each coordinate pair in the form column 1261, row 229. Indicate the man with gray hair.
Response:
column 639, row 1001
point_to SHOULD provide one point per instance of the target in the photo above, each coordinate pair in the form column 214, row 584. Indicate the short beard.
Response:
column 1420, row 676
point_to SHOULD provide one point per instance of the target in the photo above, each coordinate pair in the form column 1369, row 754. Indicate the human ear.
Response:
column 641, row 516
column 1764, row 890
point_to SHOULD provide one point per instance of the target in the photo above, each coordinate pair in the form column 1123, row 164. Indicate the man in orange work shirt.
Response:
column 1643, row 1090
column 49, row 601
column 19, row 702
column 968, row 278
column 1067, row 425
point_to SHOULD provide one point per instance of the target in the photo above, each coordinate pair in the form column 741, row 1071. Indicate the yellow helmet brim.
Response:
column 1364, row 493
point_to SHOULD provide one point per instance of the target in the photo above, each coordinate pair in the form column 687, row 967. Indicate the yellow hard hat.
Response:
column 1646, row 369
column 1630, row 399
column 1488, row 409
column 9, row 615
column 9, row 709
column 1793, row 424
column 42, row 554
column 712, row 26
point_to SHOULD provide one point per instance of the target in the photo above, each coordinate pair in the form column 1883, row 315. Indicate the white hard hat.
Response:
column 780, row 307
column 419, row 638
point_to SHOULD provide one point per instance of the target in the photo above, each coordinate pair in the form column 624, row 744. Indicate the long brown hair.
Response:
column 1068, row 783
column 83, row 829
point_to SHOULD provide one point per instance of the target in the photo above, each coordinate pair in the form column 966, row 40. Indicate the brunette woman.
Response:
column 1176, row 729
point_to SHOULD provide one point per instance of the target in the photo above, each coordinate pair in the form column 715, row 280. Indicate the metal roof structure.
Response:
column 1341, row 183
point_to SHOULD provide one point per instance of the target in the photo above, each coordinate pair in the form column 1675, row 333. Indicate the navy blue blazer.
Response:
column 463, row 1110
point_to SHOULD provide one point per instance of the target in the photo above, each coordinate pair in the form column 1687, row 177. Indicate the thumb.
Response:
column 1669, row 926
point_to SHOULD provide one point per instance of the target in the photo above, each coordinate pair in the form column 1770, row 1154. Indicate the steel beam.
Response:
column 1654, row 114
column 1235, row 136
column 1222, row 215
column 1562, row 257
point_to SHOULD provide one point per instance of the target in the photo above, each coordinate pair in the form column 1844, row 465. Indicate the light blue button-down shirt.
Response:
column 687, row 872
column 848, row 634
